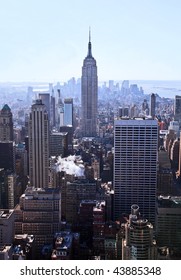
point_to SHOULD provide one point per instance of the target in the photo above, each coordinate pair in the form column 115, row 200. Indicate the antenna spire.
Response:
column 89, row 45
column 89, row 34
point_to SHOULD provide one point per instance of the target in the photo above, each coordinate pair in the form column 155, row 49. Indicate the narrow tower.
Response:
column 39, row 145
column 89, row 93
column 152, row 105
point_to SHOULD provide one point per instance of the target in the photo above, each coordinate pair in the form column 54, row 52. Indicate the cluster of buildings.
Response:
column 90, row 182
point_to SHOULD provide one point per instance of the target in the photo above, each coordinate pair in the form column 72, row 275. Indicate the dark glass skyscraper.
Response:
column 89, row 94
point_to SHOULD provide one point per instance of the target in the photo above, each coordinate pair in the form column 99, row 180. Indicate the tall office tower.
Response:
column 177, row 109
column 68, row 111
column 135, row 166
column 6, row 124
column 138, row 243
column 38, row 145
column 38, row 213
column 168, row 226
column 152, row 105
column 89, row 94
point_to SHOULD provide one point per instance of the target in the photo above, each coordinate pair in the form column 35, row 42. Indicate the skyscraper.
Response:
column 135, row 166
column 177, row 109
column 152, row 105
column 6, row 124
column 68, row 111
column 38, row 145
column 138, row 243
column 89, row 94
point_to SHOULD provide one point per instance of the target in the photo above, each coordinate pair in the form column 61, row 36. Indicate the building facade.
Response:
column 7, row 155
column 135, row 166
column 6, row 226
column 168, row 225
column 58, row 143
column 39, row 214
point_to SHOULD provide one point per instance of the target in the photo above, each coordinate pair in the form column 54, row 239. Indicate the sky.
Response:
column 47, row 40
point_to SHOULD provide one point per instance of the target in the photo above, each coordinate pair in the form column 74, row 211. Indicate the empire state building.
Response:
column 89, row 94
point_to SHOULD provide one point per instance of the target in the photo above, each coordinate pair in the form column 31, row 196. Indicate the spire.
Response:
column 89, row 45
column 89, row 34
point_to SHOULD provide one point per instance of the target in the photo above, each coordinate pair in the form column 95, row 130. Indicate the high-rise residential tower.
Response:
column 89, row 94
column 38, row 145
column 135, row 166
column 6, row 124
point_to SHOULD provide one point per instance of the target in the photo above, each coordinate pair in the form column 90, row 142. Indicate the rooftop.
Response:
column 6, row 108
column 169, row 201
column 5, row 214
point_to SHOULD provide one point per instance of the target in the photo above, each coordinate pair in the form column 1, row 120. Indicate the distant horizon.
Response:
column 100, row 81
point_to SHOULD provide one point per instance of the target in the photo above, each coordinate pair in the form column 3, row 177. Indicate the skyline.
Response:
column 48, row 40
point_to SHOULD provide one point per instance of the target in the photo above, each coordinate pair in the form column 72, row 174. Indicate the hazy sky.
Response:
column 46, row 40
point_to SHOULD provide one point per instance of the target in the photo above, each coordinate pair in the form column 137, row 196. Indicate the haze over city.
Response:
column 90, row 129
column 46, row 40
